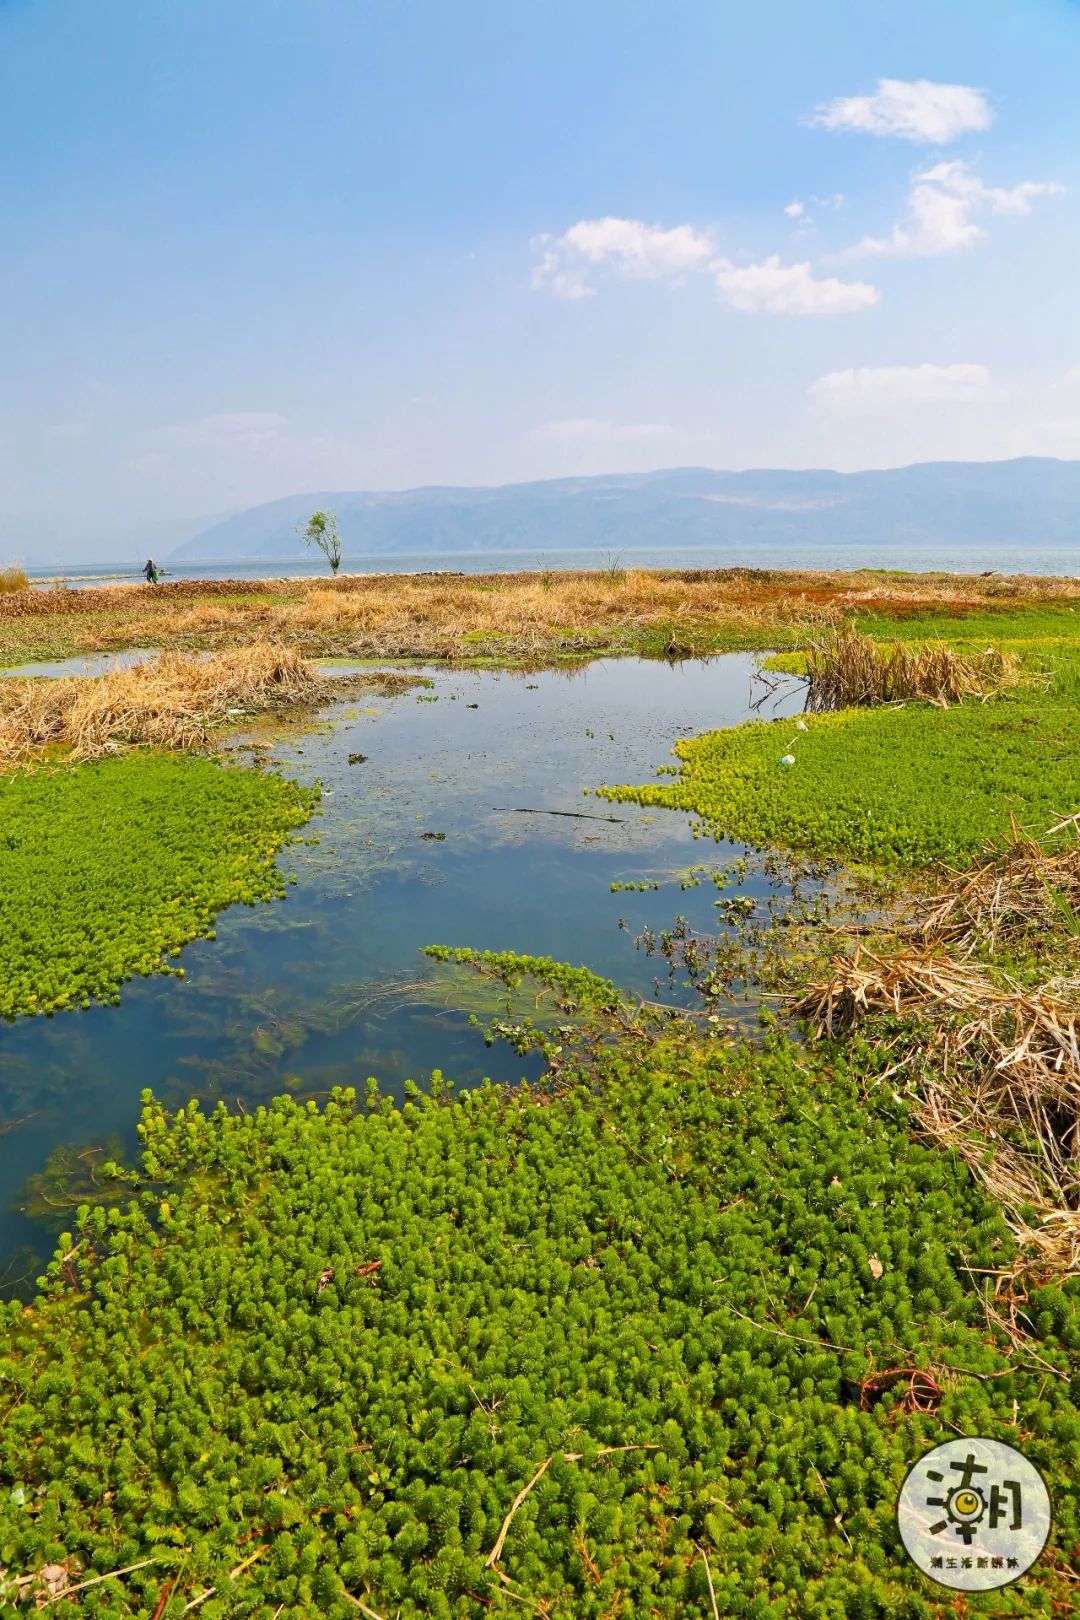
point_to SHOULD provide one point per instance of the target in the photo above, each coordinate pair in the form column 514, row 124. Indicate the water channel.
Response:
column 441, row 834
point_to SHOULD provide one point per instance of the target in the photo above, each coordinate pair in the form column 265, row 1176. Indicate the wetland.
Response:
column 329, row 984
column 493, row 1115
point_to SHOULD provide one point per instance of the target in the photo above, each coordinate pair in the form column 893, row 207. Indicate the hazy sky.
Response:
column 253, row 249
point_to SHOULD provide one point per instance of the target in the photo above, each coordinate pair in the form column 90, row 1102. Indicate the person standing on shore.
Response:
column 150, row 570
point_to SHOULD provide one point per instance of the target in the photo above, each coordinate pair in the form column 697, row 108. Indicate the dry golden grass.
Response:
column 13, row 578
column 172, row 701
column 402, row 616
column 994, row 1063
column 517, row 615
column 846, row 669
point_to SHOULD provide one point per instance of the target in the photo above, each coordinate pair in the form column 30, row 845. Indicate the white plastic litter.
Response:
column 801, row 725
column 787, row 759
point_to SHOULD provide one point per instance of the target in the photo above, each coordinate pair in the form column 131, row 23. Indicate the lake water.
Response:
column 974, row 557
column 329, row 986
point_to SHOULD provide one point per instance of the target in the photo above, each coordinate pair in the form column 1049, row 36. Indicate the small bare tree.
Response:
column 321, row 530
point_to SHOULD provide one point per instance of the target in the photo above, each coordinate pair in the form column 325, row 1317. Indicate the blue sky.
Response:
column 253, row 249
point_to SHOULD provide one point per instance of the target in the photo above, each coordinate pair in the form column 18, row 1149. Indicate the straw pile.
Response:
column 172, row 701
column 994, row 1064
column 846, row 669
column 1012, row 891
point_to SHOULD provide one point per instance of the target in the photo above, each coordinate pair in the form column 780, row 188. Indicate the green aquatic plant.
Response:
column 899, row 786
column 109, row 869
column 576, row 988
column 437, row 1360
column 73, row 1176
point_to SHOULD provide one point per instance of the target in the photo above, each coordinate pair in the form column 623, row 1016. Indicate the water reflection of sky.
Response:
column 328, row 986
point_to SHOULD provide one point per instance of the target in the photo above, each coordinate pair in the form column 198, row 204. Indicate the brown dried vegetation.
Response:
column 846, row 669
column 519, row 615
column 13, row 578
column 171, row 701
column 993, row 1059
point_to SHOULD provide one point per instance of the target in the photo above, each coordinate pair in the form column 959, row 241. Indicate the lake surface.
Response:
column 973, row 557
column 329, row 986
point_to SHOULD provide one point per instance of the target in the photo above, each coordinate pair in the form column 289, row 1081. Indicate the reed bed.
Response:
column 529, row 615
column 994, row 1062
column 13, row 578
column 543, row 613
column 846, row 669
column 171, row 701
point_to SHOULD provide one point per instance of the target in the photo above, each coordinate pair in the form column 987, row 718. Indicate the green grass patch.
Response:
column 328, row 1351
column 108, row 869
column 986, row 625
column 906, row 786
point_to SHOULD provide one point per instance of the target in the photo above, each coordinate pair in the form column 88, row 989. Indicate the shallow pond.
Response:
column 328, row 986
column 83, row 664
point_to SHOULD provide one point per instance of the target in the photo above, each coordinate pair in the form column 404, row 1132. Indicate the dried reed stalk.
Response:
column 846, row 669
column 994, row 1065
column 171, row 701
column 1013, row 888
column 13, row 578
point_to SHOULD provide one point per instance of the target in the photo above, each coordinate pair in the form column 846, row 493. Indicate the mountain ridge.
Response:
column 1025, row 500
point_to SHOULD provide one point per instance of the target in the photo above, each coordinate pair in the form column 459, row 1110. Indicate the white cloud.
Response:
column 940, row 208
column 912, row 110
column 229, row 430
column 553, row 273
column 788, row 289
column 592, row 431
column 937, row 222
column 632, row 248
column 1048, row 436
column 627, row 245
column 800, row 211
column 877, row 388
column 226, row 436
column 154, row 461
column 589, row 444
column 957, row 179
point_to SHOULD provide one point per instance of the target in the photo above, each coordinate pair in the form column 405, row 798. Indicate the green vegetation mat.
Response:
column 108, row 869
column 904, row 786
column 329, row 1352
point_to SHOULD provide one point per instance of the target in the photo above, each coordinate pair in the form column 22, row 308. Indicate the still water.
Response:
column 329, row 986
column 958, row 557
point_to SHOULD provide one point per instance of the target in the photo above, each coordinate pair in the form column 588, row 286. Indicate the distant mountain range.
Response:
column 1032, row 501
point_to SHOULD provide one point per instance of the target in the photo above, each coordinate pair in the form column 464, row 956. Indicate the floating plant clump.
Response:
column 897, row 786
column 109, row 869
column 644, row 1344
